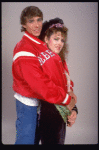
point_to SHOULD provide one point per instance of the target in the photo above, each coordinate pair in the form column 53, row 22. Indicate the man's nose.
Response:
column 36, row 24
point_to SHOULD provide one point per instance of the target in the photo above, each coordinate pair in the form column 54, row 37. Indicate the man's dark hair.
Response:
column 29, row 12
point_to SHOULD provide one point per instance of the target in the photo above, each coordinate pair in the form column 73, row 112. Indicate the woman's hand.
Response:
column 71, row 118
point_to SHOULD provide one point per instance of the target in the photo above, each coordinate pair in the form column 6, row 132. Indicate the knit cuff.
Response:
column 75, row 109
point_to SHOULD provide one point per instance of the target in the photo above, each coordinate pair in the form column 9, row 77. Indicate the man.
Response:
column 34, row 76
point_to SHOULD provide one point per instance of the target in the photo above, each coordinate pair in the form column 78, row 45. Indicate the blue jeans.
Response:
column 26, row 123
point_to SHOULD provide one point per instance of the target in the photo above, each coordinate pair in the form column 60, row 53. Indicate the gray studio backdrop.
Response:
column 81, row 18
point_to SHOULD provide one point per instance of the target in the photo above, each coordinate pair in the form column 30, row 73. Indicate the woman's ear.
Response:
column 46, row 39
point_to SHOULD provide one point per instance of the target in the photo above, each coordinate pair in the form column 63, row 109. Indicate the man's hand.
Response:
column 71, row 93
column 71, row 118
column 71, row 105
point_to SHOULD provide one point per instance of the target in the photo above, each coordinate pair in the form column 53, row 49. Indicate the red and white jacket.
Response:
column 39, row 73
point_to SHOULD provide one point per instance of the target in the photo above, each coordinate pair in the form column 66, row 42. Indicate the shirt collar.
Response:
column 33, row 38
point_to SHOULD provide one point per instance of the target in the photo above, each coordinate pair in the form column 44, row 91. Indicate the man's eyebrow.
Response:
column 29, row 20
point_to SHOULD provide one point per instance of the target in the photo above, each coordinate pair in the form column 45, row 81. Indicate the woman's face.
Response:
column 55, row 42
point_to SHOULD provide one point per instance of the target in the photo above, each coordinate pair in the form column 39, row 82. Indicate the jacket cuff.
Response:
column 67, row 100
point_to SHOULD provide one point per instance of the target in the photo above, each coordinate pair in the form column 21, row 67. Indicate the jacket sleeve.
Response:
column 43, row 88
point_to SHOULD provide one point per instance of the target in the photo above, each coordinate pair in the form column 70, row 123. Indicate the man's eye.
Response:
column 30, row 21
column 40, row 19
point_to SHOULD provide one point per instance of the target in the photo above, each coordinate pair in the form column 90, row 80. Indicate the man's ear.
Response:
column 24, row 26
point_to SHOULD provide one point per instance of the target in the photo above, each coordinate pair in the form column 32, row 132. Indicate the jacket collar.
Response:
column 33, row 38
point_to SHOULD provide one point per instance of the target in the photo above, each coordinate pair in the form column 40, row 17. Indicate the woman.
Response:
column 52, row 117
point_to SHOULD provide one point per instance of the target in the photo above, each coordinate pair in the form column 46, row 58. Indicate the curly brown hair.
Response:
column 29, row 12
column 47, row 31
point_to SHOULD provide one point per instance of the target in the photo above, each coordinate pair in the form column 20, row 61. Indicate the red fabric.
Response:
column 40, row 77
column 66, row 68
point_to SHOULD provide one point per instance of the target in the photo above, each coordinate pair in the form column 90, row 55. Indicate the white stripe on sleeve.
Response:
column 64, row 102
column 22, row 53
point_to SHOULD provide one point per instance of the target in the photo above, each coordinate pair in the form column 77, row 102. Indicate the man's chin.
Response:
column 36, row 34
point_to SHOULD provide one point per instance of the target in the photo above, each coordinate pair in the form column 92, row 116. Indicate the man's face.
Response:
column 34, row 26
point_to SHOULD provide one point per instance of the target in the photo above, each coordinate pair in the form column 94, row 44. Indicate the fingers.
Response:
column 69, row 124
column 71, row 119
column 73, row 115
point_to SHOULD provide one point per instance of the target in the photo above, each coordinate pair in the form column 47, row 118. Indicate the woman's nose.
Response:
column 60, row 43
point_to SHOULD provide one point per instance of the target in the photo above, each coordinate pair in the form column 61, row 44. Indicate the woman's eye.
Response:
column 63, row 41
column 56, row 39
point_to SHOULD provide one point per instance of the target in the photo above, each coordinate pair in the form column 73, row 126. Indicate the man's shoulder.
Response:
column 23, row 45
